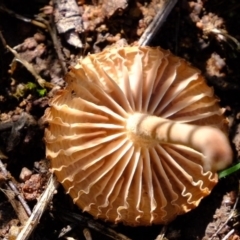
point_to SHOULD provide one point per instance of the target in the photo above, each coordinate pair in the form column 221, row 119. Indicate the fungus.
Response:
column 137, row 136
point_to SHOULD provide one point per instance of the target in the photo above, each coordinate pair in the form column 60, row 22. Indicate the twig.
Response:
column 43, row 83
column 40, row 22
column 39, row 209
column 14, row 189
column 230, row 215
column 20, row 17
column 228, row 235
column 93, row 224
column 57, row 46
column 16, row 205
column 224, row 36
column 157, row 22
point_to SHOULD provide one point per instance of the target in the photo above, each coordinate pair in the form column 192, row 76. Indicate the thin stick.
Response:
column 92, row 224
column 56, row 43
column 43, row 83
column 14, row 189
column 228, row 235
column 22, row 18
column 157, row 22
column 40, row 22
column 230, row 215
column 39, row 209
column 16, row 204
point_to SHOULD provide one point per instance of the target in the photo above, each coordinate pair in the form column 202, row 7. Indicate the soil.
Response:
column 204, row 32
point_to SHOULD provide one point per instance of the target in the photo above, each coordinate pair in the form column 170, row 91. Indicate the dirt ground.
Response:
column 204, row 32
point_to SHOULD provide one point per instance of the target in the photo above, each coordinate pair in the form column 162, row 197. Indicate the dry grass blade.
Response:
column 39, row 209
column 43, row 83
column 14, row 190
column 22, row 18
column 228, row 235
column 231, row 215
column 157, row 22
column 77, row 219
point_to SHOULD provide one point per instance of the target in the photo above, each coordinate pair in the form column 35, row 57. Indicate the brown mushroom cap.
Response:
column 125, row 137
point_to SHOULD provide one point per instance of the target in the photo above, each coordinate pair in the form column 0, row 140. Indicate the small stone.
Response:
column 25, row 174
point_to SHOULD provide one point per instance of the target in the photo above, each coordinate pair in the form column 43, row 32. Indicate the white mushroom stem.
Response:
column 147, row 130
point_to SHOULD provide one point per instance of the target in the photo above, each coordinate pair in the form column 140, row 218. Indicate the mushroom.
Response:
column 137, row 136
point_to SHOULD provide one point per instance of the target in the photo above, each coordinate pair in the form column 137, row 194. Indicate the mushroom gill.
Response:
column 137, row 136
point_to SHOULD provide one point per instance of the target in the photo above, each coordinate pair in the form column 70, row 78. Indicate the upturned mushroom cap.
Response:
column 136, row 136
